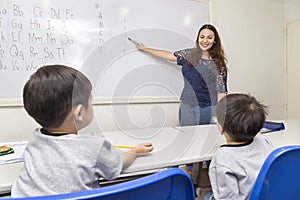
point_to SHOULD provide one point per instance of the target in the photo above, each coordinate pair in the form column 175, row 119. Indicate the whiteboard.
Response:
column 92, row 36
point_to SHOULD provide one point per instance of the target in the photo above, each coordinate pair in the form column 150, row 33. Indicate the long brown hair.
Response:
column 216, row 52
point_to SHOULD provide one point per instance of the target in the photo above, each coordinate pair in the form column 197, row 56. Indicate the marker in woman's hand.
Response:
column 138, row 45
column 131, row 40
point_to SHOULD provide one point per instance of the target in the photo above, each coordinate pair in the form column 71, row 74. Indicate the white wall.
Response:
column 134, row 113
column 292, row 25
column 253, row 36
column 123, row 114
column 15, row 124
column 291, row 10
column 293, row 70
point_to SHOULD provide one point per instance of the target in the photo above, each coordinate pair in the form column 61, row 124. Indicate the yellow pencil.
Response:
column 122, row 146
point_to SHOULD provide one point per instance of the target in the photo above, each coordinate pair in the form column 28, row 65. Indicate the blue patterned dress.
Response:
column 202, row 83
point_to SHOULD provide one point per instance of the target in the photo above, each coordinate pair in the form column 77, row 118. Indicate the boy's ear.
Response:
column 221, row 129
column 79, row 112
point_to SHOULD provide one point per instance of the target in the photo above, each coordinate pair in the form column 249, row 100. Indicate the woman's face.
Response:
column 206, row 39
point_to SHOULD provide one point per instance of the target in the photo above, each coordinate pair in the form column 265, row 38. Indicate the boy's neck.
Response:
column 230, row 141
column 61, row 130
column 49, row 133
column 234, row 143
column 67, row 127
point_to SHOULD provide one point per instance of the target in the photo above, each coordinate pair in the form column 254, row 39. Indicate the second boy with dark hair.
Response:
column 235, row 166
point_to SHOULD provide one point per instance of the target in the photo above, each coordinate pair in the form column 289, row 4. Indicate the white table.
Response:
column 289, row 136
column 172, row 146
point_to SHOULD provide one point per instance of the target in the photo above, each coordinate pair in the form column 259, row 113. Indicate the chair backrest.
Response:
column 169, row 184
column 279, row 177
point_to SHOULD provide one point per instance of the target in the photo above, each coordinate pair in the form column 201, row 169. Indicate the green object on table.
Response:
column 4, row 150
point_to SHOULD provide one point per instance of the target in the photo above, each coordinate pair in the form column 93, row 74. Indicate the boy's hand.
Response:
column 138, row 150
column 143, row 148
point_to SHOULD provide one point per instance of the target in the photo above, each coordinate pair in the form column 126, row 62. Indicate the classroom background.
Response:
column 260, row 41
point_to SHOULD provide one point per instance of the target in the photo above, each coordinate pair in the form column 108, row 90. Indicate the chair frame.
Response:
column 172, row 183
column 278, row 178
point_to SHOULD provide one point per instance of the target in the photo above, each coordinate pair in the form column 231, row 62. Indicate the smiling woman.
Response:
column 205, row 75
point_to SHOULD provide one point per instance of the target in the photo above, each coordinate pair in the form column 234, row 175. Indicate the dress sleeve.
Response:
column 222, row 81
column 182, row 56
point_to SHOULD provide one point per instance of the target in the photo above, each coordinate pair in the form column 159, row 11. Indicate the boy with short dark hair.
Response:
column 57, row 159
column 235, row 166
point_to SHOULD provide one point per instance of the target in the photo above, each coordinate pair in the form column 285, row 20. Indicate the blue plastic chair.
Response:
column 169, row 184
column 279, row 177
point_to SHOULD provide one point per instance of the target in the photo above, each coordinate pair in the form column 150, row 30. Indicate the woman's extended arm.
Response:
column 163, row 54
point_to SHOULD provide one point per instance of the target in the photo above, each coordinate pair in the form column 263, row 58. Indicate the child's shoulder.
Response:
column 261, row 138
column 263, row 141
column 258, row 142
column 92, row 139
